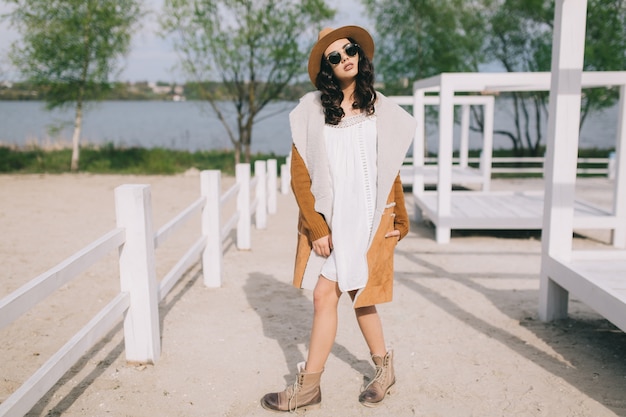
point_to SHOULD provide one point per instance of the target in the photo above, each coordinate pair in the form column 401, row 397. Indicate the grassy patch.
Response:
column 109, row 159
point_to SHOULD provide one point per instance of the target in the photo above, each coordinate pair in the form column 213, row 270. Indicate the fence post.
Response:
column 285, row 175
column 272, row 171
column 611, row 167
column 133, row 209
column 465, row 127
column 211, row 189
column 260, row 215
column 284, row 179
column 242, row 174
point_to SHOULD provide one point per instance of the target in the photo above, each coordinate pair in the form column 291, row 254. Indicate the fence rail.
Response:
column 534, row 165
column 137, row 302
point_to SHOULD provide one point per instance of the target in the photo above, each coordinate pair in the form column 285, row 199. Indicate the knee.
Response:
column 325, row 297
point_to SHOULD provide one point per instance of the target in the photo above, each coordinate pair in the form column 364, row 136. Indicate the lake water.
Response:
column 193, row 126
column 176, row 125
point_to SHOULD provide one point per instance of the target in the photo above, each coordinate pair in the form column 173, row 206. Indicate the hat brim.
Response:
column 360, row 36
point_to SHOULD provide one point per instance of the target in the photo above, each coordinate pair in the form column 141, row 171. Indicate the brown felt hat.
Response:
column 330, row 35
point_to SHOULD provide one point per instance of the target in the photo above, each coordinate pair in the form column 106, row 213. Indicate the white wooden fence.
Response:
column 140, row 292
column 534, row 165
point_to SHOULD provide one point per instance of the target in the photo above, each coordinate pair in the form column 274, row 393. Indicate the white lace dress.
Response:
column 351, row 148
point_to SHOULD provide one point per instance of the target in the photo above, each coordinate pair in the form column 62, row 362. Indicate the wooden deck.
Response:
column 460, row 175
column 597, row 280
column 439, row 209
column 505, row 210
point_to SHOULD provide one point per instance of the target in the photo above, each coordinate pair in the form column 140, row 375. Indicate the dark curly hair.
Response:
column 332, row 96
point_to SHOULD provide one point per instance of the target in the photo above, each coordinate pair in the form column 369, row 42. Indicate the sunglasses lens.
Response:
column 334, row 57
column 351, row 49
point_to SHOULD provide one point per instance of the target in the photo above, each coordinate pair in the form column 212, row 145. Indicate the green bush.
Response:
column 109, row 159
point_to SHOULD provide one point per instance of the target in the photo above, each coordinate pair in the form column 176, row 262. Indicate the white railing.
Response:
column 534, row 165
column 140, row 292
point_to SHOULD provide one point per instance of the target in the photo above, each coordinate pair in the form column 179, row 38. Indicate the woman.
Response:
column 349, row 142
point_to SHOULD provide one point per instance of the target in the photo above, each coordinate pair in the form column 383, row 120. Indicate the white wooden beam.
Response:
column 242, row 174
column 619, row 204
column 444, row 157
column 513, row 81
column 486, row 156
column 212, row 266
column 142, row 336
column 464, row 144
column 562, row 149
column 272, row 183
column 419, row 143
column 260, row 172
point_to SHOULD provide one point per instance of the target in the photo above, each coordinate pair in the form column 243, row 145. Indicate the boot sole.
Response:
column 376, row 404
column 301, row 408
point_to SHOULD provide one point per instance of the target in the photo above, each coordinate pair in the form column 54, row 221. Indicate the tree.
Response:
column 255, row 48
column 605, row 49
column 421, row 38
column 72, row 47
column 522, row 41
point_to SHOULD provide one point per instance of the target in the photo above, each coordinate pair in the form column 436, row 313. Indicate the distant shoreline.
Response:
column 193, row 126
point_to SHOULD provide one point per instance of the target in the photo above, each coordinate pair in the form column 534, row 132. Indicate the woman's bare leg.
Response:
column 325, row 300
column 372, row 329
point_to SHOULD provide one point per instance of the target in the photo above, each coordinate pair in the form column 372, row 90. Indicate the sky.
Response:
column 152, row 58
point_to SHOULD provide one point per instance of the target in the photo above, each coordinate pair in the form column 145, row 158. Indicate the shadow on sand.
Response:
column 179, row 290
column 270, row 299
column 602, row 372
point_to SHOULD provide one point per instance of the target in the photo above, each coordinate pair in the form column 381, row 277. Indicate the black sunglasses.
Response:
column 351, row 49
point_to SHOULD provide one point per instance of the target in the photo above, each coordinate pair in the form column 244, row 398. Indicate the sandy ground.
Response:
column 463, row 323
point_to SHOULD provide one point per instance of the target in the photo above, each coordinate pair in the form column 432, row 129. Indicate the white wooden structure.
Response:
column 597, row 278
column 419, row 173
column 140, row 294
column 449, row 209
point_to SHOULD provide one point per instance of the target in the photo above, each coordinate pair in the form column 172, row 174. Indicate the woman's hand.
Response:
column 395, row 233
column 323, row 246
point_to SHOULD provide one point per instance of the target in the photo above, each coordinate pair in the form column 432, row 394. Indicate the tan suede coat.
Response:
column 311, row 184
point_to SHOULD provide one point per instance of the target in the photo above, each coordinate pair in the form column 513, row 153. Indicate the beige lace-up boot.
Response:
column 384, row 379
column 304, row 394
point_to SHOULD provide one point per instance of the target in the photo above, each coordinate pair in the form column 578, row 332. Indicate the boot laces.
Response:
column 293, row 396
column 381, row 372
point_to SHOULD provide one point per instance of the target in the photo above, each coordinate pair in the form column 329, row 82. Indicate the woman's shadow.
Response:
column 287, row 315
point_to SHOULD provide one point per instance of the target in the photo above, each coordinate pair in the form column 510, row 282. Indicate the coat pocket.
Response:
column 380, row 256
column 379, row 288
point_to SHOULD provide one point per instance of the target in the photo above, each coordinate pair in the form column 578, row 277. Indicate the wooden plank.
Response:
column 137, row 260
column 26, row 396
column 460, row 175
column 599, row 255
column 229, row 194
column 212, row 265
column 177, row 222
column 506, row 210
column 189, row 259
column 503, row 165
column 444, row 152
column 491, row 223
column 24, row 298
column 484, row 203
column 597, row 283
column 619, row 204
column 242, row 175
column 513, row 81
